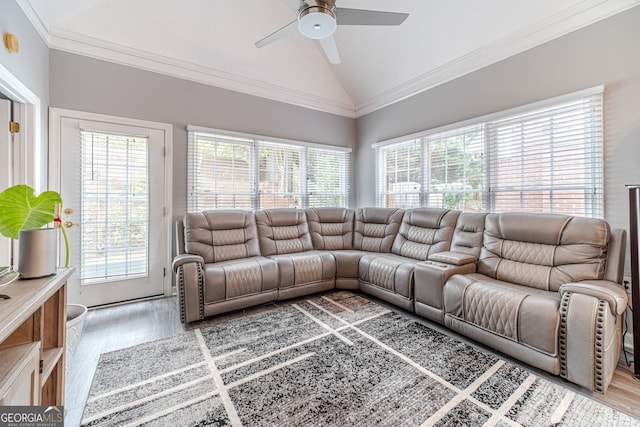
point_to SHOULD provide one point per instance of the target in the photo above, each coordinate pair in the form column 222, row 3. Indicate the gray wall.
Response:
column 91, row 85
column 30, row 65
column 604, row 53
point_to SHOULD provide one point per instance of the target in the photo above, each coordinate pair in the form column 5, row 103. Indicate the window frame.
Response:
column 593, row 185
column 258, row 143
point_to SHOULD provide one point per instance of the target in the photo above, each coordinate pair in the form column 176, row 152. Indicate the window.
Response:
column 542, row 158
column 239, row 171
column 401, row 177
column 549, row 160
column 455, row 171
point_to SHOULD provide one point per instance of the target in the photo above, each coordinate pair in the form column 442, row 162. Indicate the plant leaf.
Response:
column 20, row 209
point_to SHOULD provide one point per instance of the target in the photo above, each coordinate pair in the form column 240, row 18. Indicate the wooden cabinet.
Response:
column 33, row 330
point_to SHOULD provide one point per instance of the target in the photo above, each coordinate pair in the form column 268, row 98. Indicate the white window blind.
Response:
column 279, row 171
column 221, row 174
column 327, row 178
column 236, row 171
column 549, row 160
column 540, row 159
column 114, row 207
column 400, row 172
column 454, row 162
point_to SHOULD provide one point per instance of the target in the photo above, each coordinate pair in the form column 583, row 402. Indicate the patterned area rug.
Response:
column 335, row 359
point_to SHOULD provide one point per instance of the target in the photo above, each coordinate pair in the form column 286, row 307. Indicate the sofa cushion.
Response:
column 283, row 231
column 239, row 278
column 304, row 268
column 543, row 251
column 391, row 272
column 522, row 314
column 424, row 231
column 331, row 228
column 376, row 228
column 221, row 235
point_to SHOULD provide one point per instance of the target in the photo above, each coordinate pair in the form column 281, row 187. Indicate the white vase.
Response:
column 75, row 321
column 37, row 253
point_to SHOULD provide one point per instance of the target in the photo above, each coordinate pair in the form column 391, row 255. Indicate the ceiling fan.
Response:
column 318, row 19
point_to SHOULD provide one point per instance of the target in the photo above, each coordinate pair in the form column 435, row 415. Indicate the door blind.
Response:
column 114, row 207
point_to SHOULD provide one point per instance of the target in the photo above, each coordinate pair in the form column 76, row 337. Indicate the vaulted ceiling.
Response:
column 213, row 42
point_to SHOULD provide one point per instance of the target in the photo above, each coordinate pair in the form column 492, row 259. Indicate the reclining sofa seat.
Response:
column 547, row 293
column 388, row 274
column 331, row 229
column 222, row 269
column 284, row 237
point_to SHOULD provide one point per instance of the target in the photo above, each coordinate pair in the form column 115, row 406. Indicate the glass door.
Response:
column 112, row 184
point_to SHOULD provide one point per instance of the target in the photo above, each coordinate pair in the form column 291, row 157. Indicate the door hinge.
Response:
column 14, row 127
column 41, row 365
column 164, row 272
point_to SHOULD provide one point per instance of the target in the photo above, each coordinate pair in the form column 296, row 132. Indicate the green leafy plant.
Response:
column 21, row 209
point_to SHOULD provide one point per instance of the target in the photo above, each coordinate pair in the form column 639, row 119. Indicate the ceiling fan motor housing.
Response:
column 318, row 21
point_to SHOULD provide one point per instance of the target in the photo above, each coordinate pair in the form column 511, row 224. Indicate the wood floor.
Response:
column 113, row 328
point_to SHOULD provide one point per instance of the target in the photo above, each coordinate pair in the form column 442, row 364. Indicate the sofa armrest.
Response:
column 590, row 333
column 453, row 258
column 604, row 290
column 189, row 270
column 185, row 259
column 428, row 284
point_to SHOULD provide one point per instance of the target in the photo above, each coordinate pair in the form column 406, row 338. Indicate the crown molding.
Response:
column 99, row 49
column 574, row 18
column 34, row 18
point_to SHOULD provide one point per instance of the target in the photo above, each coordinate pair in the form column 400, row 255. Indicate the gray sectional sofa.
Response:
column 545, row 289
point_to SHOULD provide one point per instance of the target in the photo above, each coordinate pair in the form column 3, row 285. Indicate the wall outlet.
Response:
column 626, row 282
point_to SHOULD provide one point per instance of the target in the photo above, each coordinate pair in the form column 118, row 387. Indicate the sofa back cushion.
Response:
column 543, row 251
column 376, row 228
column 221, row 235
column 469, row 233
column 331, row 228
column 425, row 231
column 283, row 231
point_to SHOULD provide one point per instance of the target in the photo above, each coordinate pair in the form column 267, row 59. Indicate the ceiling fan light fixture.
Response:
column 317, row 22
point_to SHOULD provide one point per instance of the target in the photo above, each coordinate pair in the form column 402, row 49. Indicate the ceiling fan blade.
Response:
column 290, row 28
column 368, row 17
column 330, row 49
